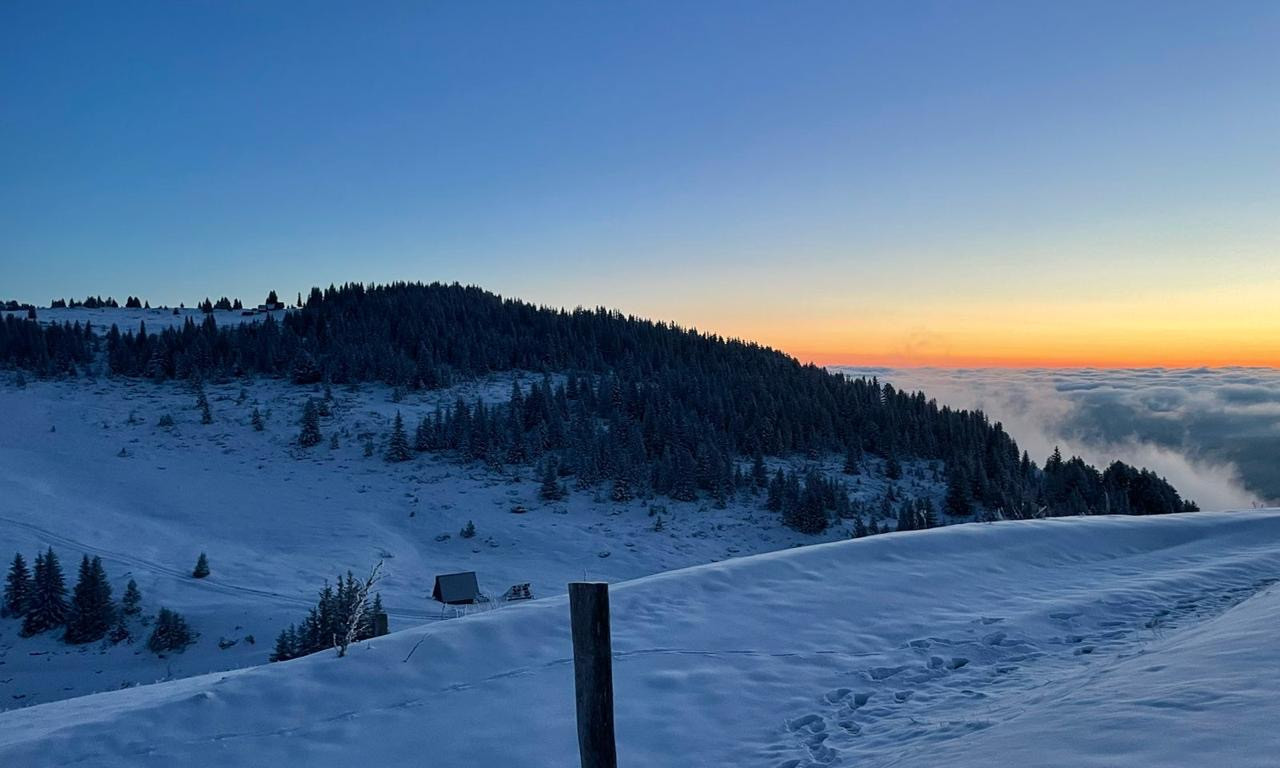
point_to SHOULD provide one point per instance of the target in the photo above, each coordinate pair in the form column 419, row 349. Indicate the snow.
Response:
column 157, row 318
column 277, row 521
column 1072, row 642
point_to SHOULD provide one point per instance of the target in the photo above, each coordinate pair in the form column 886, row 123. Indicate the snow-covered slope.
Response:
column 155, row 319
column 86, row 468
column 1069, row 642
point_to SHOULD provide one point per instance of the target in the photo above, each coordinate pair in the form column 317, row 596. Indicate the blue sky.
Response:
column 802, row 172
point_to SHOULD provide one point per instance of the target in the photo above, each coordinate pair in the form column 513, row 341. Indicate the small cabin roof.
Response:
column 456, row 588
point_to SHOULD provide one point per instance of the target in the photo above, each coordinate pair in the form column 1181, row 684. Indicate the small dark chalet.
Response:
column 456, row 588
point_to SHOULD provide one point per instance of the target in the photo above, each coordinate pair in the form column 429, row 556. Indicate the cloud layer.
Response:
column 1214, row 433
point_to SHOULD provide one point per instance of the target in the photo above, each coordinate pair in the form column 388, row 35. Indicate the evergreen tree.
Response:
column 333, row 441
column 621, row 491
column 202, row 567
column 48, row 606
column 310, row 434
column 202, row 402
column 929, row 519
column 131, row 603
column 17, row 588
column 807, row 512
column 777, row 489
column 422, row 436
column 398, row 446
column 893, row 468
column 120, row 632
column 170, row 633
column 550, row 489
column 284, row 649
column 256, row 421
column 91, row 610
column 468, row 531
column 959, row 499
column 759, row 473
column 853, row 458
column 375, row 610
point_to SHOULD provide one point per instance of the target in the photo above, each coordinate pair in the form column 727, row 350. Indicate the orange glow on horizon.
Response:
column 1215, row 329
column 854, row 359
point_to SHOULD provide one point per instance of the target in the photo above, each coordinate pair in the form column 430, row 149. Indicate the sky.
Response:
column 903, row 184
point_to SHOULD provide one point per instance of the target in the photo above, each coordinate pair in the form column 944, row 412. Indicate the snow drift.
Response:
column 1072, row 642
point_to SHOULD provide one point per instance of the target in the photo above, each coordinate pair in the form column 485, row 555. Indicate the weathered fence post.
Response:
column 593, row 673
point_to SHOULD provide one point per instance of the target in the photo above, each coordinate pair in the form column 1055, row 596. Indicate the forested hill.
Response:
column 644, row 403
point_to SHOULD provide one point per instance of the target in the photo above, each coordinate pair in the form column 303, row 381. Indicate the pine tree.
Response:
column 48, row 606
column 91, row 608
column 959, row 501
column 375, row 610
column 398, row 445
column 368, row 446
column 120, row 632
column 906, row 517
column 468, row 531
column 777, row 488
column 853, row 459
column 930, row 520
column 256, row 420
column 202, row 402
column 131, row 603
column 422, row 436
column 17, row 588
column 310, row 434
column 284, row 649
column 333, row 441
column 550, row 488
column 171, row 633
column 759, row 473
column 202, row 567
column 621, row 491
column 892, row 468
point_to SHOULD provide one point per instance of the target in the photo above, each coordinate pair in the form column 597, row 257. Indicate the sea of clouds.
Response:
column 1212, row 432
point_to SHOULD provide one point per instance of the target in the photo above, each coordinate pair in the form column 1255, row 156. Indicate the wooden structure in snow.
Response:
column 518, row 592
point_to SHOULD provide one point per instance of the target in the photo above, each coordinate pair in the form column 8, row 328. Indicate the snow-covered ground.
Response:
column 155, row 319
column 1068, row 642
column 1073, row 642
column 277, row 521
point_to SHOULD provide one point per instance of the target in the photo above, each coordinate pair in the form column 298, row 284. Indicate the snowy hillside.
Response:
column 128, row 319
column 1071, row 642
column 86, row 468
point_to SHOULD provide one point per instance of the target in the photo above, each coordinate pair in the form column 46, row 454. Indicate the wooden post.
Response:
column 593, row 673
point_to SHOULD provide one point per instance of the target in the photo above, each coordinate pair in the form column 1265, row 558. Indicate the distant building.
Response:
column 456, row 588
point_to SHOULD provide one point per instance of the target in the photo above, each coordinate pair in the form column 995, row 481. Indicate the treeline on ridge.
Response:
column 647, row 397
